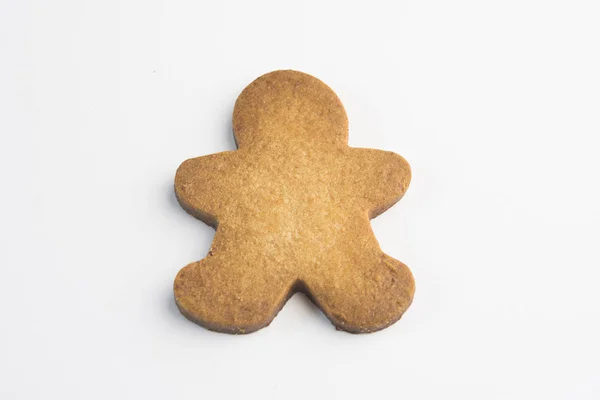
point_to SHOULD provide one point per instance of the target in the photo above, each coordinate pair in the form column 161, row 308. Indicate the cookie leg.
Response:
column 363, row 292
column 228, row 294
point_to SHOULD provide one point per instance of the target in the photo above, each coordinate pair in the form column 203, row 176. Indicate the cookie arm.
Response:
column 201, row 185
column 382, row 178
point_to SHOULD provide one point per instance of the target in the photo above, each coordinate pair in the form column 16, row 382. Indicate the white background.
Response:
column 496, row 105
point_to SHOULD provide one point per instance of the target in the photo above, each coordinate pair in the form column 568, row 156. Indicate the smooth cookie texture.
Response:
column 291, row 208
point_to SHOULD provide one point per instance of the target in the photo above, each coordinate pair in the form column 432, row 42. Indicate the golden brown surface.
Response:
column 291, row 207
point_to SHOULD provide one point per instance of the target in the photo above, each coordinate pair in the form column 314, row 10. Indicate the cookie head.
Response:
column 290, row 108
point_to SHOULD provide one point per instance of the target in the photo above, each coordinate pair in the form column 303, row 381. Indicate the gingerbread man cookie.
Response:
column 291, row 209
